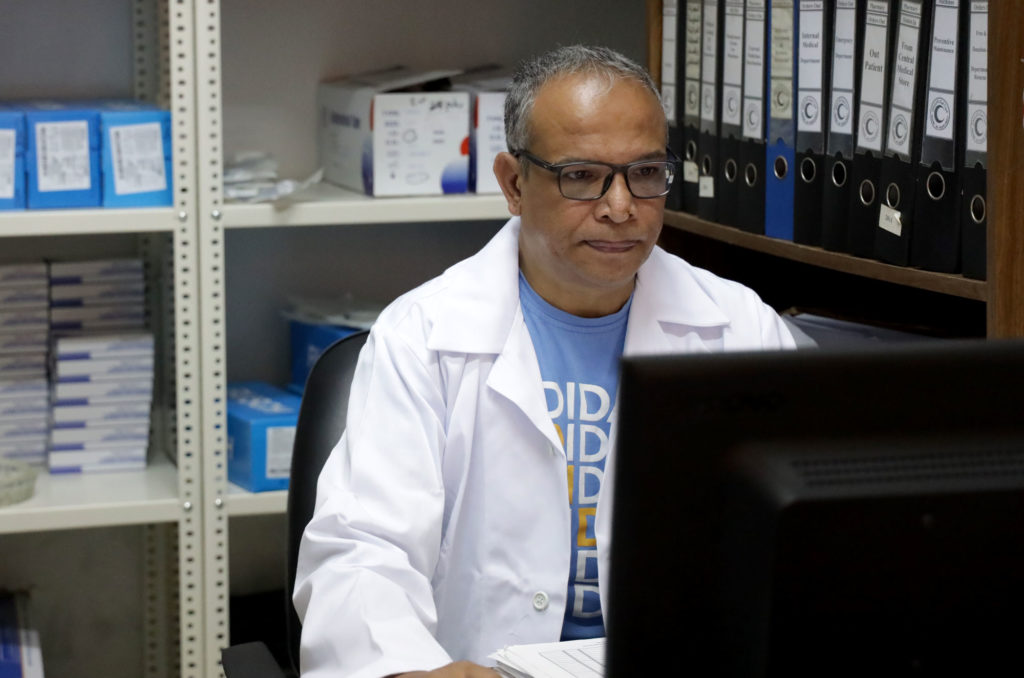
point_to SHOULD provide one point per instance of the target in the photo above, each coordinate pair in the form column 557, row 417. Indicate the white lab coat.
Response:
column 442, row 526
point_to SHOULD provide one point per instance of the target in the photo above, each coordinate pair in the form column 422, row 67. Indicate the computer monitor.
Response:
column 825, row 513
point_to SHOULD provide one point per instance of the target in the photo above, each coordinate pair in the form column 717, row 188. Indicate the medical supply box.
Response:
column 308, row 340
column 487, row 90
column 62, row 154
column 394, row 132
column 135, row 154
column 261, row 431
column 12, row 159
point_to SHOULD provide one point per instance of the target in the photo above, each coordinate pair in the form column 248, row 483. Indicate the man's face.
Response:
column 582, row 256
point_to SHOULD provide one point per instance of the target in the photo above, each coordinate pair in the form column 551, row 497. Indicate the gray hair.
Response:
column 533, row 73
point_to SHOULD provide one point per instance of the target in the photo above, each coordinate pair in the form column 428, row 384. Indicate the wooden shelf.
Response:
column 943, row 283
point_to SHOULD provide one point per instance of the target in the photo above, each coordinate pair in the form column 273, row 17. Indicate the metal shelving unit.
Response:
column 141, row 48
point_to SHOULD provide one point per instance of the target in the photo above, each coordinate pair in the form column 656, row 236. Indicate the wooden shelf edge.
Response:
column 943, row 283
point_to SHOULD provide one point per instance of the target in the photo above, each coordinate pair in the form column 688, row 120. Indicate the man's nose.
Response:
column 619, row 201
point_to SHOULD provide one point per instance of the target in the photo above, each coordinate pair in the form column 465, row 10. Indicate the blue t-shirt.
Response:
column 579, row 365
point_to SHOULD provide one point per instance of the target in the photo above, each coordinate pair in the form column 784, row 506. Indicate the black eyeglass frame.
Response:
column 672, row 161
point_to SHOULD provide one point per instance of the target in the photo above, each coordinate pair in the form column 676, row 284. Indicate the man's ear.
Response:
column 509, row 174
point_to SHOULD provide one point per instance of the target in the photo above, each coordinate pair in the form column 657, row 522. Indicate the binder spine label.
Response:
column 709, row 69
column 811, row 55
column 843, row 71
column 905, row 62
column 753, row 72
column 781, row 72
column 669, row 33
column 942, row 71
column 691, row 107
column 732, row 67
column 872, row 82
column 977, row 84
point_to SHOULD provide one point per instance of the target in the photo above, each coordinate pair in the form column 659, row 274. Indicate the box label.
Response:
column 7, row 139
column 137, row 156
column 280, row 440
column 62, row 156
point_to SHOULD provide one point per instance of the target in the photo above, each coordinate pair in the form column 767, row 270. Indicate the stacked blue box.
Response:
column 20, row 653
column 62, row 154
column 136, row 154
column 261, row 431
column 102, row 423
column 12, row 159
column 24, row 322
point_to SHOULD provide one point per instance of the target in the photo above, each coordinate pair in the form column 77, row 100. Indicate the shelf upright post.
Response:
column 209, row 149
column 164, row 74
column 1006, row 169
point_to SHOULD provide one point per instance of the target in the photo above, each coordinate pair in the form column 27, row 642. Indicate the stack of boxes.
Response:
column 102, row 367
column 24, row 320
column 110, row 153
column 399, row 132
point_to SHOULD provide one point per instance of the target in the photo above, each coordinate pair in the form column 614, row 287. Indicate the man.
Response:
column 457, row 513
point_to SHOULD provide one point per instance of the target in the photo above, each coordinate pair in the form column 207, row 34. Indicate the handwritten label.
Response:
column 753, row 71
column 890, row 220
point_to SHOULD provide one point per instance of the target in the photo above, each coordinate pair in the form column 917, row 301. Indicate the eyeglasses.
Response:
column 590, row 180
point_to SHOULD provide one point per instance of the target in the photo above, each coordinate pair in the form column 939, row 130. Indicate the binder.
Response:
column 710, row 93
column 872, row 108
column 813, row 49
column 974, row 172
column 780, row 150
column 752, row 145
column 730, row 115
column 898, row 182
column 669, row 48
column 847, row 37
column 936, row 244
column 689, row 103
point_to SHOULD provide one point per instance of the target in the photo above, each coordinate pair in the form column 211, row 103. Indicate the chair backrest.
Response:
column 320, row 425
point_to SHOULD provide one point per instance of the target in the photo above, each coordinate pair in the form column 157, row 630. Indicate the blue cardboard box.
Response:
column 308, row 341
column 135, row 150
column 261, row 431
column 62, row 155
column 12, row 159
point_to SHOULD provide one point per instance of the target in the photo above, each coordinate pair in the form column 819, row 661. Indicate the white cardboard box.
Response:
column 89, row 461
column 29, row 273
column 104, row 345
column 85, row 416
column 487, row 137
column 96, row 270
column 102, row 392
column 378, row 137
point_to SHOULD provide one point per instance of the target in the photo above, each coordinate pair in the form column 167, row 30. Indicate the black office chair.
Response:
column 320, row 425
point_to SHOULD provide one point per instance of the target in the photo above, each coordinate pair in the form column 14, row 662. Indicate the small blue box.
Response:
column 12, row 159
column 261, row 431
column 308, row 341
column 135, row 148
column 62, row 155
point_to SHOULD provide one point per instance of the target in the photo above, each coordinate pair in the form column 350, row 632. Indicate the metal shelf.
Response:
column 242, row 502
column 87, row 221
column 74, row 501
column 322, row 204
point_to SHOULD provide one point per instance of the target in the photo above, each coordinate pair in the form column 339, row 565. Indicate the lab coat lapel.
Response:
column 516, row 376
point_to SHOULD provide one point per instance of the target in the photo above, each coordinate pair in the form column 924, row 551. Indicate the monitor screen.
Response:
column 828, row 513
